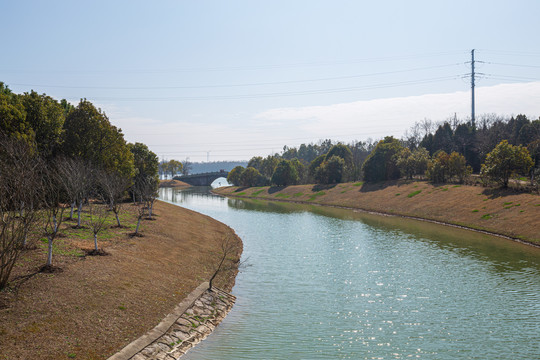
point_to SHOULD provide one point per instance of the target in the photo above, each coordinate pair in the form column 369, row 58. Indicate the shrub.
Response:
column 504, row 161
column 285, row 174
column 235, row 175
column 331, row 171
column 381, row 163
column 250, row 177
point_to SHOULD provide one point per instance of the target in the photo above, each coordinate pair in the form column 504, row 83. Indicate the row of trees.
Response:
column 447, row 152
column 55, row 157
column 475, row 142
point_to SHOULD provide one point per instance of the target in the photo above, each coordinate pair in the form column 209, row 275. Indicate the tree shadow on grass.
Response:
column 494, row 193
column 275, row 189
column 94, row 252
column 376, row 186
column 321, row 187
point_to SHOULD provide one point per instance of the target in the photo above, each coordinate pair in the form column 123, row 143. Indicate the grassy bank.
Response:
column 173, row 184
column 494, row 210
column 92, row 306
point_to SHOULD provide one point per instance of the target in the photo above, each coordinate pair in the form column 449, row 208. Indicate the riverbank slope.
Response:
column 173, row 184
column 95, row 305
column 504, row 212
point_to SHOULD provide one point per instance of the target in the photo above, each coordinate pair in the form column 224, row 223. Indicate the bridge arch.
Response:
column 203, row 179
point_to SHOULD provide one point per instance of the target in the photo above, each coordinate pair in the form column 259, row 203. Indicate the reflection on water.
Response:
column 327, row 283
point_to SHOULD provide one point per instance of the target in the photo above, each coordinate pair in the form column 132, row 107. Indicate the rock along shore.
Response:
column 191, row 322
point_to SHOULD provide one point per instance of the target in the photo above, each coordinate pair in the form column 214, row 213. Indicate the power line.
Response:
column 242, row 84
column 510, row 52
column 514, row 65
column 250, row 67
column 278, row 94
column 510, row 78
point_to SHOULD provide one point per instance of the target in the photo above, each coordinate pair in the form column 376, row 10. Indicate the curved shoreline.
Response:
column 191, row 321
column 382, row 213
column 99, row 304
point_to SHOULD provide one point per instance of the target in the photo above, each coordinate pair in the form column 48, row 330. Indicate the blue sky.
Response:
column 233, row 79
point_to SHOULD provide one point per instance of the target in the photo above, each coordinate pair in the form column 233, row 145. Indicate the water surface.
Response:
column 329, row 283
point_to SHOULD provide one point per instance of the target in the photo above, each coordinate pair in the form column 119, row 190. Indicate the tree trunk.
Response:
column 95, row 242
column 117, row 219
column 79, row 210
column 217, row 270
column 138, row 223
column 49, row 251
column 55, row 224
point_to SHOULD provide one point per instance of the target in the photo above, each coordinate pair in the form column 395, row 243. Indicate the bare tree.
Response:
column 141, row 211
column 77, row 177
column 186, row 167
column 53, row 208
column 146, row 189
column 413, row 136
column 427, row 126
column 97, row 217
column 227, row 257
column 18, row 201
column 113, row 189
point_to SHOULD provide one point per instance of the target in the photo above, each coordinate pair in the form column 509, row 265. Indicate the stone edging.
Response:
column 190, row 322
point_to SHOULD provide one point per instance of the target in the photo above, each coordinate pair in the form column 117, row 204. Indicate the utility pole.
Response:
column 208, row 156
column 472, row 88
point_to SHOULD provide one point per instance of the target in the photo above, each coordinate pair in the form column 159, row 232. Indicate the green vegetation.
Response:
column 55, row 156
column 412, row 163
column 444, row 153
column 414, row 193
column 250, row 177
column 504, row 161
column 381, row 164
column 444, row 167
column 285, row 174
column 316, row 195
column 487, row 216
column 284, row 196
column 234, row 175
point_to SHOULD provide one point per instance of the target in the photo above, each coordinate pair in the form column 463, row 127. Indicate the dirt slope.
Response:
column 98, row 304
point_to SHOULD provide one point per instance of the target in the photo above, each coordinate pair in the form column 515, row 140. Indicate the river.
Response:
column 326, row 283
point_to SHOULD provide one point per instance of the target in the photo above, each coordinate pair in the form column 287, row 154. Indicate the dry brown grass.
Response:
column 97, row 304
column 499, row 211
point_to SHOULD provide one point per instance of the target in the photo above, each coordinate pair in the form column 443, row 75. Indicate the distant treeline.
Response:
column 496, row 148
column 171, row 168
column 203, row 167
